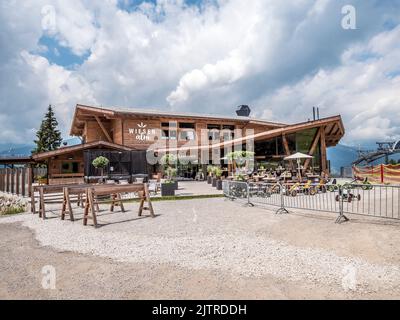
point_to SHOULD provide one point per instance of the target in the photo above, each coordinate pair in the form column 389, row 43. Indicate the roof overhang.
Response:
column 83, row 112
column 333, row 126
column 80, row 147
column 4, row 160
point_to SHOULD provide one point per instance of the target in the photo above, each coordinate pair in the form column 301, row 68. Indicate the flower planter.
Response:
column 219, row 184
column 167, row 189
column 175, row 183
column 214, row 181
column 209, row 179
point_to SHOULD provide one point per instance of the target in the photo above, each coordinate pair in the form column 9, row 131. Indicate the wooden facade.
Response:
column 135, row 129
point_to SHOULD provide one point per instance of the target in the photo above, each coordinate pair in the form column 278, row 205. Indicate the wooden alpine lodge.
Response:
column 125, row 136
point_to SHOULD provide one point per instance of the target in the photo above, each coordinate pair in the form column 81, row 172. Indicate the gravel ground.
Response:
column 222, row 241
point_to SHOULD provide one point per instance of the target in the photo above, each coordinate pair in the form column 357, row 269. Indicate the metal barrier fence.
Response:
column 364, row 199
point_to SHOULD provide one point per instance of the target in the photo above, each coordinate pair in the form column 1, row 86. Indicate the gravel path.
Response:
column 243, row 242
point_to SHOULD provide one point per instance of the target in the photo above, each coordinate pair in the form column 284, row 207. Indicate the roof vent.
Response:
column 243, row 111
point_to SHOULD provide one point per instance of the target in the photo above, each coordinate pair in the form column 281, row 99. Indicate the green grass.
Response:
column 12, row 210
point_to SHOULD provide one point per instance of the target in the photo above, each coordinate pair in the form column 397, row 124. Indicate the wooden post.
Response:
column 8, row 180
column 12, row 178
column 323, row 151
column 30, row 181
column 287, row 150
column 147, row 195
column 1, row 180
column 23, row 181
column 42, row 209
column 66, row 207
column 382, row 174
column 33, row 202
column 17, row 178
column 312, row 149
column 89, row 208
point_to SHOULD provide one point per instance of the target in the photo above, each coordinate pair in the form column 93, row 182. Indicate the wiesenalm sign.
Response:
column 142, row 133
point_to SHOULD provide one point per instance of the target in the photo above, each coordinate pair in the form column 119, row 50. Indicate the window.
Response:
column 228, row 127
column 187, row 135
column 168, row 124
column 70, row 167
column 186, row 125
column 228, row 134
column 168, row 134
column 214, row 127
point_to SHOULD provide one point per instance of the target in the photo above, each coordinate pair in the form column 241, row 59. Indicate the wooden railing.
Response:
column 16, row 181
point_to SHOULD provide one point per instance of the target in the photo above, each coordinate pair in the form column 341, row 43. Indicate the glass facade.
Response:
column 272, row 151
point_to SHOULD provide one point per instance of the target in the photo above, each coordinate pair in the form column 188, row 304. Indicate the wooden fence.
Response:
column 16, row 181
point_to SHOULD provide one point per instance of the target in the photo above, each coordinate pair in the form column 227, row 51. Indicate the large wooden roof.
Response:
column 333, row 128
column 84, row 113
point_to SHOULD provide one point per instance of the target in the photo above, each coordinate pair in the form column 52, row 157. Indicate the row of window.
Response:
column 214, row 131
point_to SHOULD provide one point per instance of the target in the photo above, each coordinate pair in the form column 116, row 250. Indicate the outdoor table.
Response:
column 49, row 189
column 115, row 191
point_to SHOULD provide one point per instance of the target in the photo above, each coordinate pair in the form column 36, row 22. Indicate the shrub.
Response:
column 100, row 162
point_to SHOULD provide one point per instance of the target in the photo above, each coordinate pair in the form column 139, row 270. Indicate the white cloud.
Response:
column 364, row 89
column 281, row 59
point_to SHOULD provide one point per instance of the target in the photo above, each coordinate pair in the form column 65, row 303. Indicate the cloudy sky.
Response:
column 279, row 57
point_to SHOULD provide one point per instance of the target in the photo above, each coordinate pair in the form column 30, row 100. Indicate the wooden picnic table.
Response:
column 51, row 189
column 93, row 192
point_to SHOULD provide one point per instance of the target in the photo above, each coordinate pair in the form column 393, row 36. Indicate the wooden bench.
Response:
column 52, row 192
column 93, row 192
column 115, row 192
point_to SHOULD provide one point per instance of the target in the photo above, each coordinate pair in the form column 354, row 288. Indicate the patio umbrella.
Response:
column 298, row 156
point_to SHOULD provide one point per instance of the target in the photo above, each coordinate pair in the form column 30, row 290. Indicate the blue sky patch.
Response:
column 59, row 55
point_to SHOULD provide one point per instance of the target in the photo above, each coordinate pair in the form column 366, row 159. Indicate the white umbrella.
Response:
column 298, row 156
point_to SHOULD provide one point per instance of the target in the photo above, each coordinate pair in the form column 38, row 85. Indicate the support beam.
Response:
column 323, row 151
column 103, row 129
column 287, row 150
column 312, row 148
column 285, row 145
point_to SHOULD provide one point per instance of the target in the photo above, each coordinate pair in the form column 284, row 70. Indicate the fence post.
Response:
column 23, row 180
column 8, row 180
column 1, row 180
column 17, row 177
column 282, row 209
column 248, row 195
column 341, row 207
column 30, row 180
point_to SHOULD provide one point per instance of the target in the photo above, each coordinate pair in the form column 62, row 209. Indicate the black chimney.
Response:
column 243, row 111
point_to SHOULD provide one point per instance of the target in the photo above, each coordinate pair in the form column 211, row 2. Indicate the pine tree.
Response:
column 48, row 136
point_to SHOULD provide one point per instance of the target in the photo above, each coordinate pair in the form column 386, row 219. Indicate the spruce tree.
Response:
column 48, row 136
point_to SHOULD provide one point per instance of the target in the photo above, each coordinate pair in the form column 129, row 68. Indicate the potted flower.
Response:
column 101, row 163
column 214, row 176
column 218, row 175
column 169, row 161
column 209, row 174
column 169, row 186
